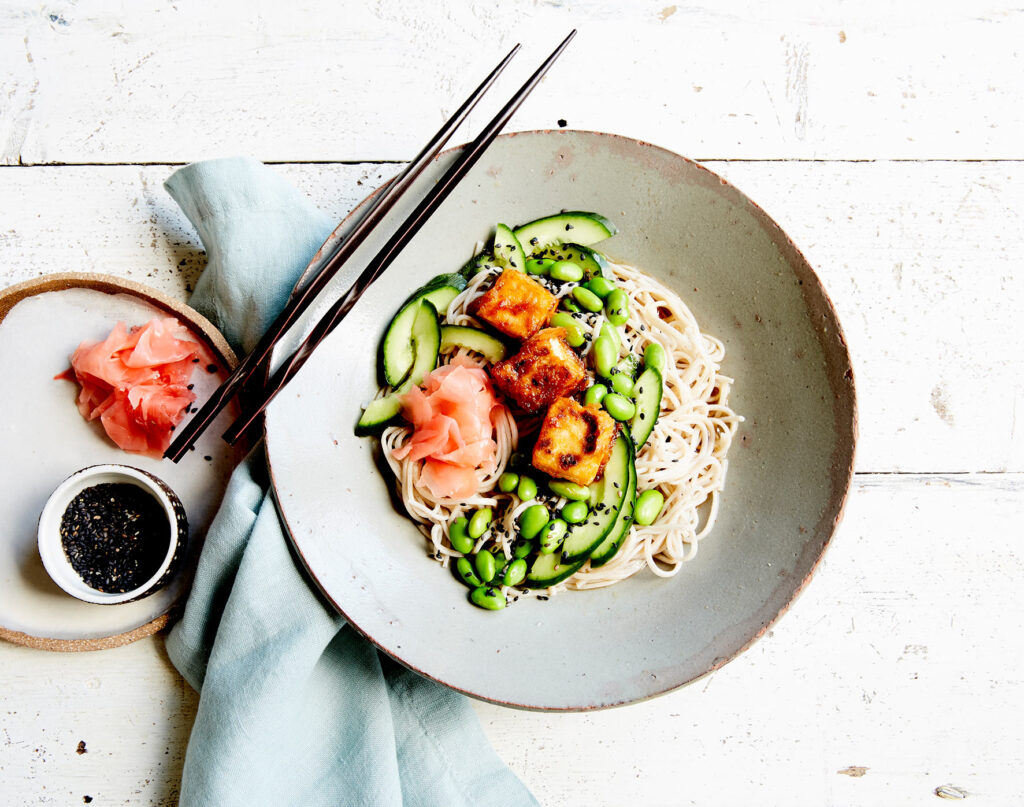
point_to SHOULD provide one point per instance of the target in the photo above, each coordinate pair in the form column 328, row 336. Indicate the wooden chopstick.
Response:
column 303, row 297
column 405, row 233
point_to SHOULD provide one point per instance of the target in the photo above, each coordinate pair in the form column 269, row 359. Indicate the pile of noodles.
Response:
column 684, row 458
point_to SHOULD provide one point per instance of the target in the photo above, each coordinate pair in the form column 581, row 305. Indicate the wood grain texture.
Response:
column 899, row 658
column 102, row 81
column 922, row 260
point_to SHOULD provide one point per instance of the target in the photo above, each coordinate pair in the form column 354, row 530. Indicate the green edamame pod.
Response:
column 575, row 512
column 566, row 271
column 601, row 286
column 508, row 481
column 484, row 565
column 488, row 598
column 570, row 490
column 593, row 396
column 619, row 407
column 480, row 521
column 465, row 569
column 459, row 537
column 516, row 573
column 552, row 535
column 654, row 356
column 527, row 489
column 605, row 355
column 616, row 307
column 587, row 299
column 532, row 521
column 648, row 507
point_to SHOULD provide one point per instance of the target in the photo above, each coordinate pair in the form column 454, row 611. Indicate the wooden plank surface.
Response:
column 151, row 81
column 895, row 673
column 928, row 293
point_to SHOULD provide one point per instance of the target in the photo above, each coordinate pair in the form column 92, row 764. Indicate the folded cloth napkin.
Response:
column 295, row 707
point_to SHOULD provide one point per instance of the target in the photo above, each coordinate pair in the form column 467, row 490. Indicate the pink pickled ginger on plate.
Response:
column 453, row 428
column 136, row 382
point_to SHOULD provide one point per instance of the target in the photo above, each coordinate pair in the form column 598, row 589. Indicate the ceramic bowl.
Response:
column 789, row 466
column 55, row 559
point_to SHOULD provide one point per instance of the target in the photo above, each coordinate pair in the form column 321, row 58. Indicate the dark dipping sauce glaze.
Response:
column 115, row 536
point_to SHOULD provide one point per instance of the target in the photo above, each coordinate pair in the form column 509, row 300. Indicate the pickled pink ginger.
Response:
column 452, row 417
column 136, row 382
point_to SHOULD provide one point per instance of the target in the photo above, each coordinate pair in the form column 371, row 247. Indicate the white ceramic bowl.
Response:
column 51, row 550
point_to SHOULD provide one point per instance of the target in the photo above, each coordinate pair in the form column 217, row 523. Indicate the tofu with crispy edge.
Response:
column 545, row 368
column 515, row 305
column 575, row 441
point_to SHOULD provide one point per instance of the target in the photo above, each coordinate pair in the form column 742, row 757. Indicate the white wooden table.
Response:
column 885, row 138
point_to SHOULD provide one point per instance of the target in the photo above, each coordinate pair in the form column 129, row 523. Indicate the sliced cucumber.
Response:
column 647, row 395
column 585, row 538
column 575, row 227
column 505, row 253
column 594, row 263
column 613, row 540
column 548, row 570
column 426, row 343
column 490, row 347
column 630, row 365
column 397, row 347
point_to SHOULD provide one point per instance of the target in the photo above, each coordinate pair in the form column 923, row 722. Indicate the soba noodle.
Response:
column 684, row 457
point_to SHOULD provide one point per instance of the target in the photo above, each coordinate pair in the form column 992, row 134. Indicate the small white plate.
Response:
column 45, row 440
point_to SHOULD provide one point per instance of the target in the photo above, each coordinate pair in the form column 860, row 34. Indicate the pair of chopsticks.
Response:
column 259, row 356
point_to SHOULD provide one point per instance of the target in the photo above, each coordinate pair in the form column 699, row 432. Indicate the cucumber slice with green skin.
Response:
column 594, row 263
column 647, row 395
column 576, row 227
column 490, row 347
column 397, row 350
column 586, row 537
column 623, row 521
column 426, row 344
column 548, row 570
column 505, row 253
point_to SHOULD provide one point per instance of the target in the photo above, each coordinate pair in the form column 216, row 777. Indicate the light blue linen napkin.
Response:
column 295, row 707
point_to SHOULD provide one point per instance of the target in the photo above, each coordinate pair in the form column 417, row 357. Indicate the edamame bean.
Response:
column 480, row 521
column 593, row 396
column 604, row 356
column 521, row 548
column 611, row 333
column 573, row 334
column 459, row 538
column 569, row 305
column 622, row 384
column 532, row 521
column 540, row 266
column 516, row 573
column 654, row 356
column 566, row 271
column 587, row 299
column 601, row 286
column 552, row 535
column 488, row 598
column 648, row 507
column 527, row 489
column 570, row 490
column 508, row 481
column 616, row 307
column 620, row 408
column 575, row 512
column 484, row 565
column 465, row 569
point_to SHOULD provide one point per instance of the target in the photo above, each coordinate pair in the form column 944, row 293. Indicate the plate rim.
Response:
column 839, row 373
column 10, row 296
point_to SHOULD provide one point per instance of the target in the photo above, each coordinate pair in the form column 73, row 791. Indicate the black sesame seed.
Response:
column 534, row 241
column 642, row 416
column 211, row 368
column 568, row 227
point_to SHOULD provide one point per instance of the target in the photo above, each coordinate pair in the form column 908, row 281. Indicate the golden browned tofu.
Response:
column 515, row 305
column 575, row 441
column 545, row 368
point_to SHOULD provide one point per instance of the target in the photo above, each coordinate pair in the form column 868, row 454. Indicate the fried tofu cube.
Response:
column 515, row 305
column 575, row 441
column 544, row 369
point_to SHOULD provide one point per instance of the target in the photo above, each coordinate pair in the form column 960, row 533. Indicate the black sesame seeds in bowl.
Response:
column 112, row 534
